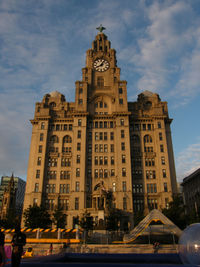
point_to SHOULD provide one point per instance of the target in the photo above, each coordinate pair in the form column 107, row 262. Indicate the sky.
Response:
column 42, row 49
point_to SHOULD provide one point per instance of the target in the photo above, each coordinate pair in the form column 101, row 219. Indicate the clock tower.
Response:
column 101, row 154
column 103, row 97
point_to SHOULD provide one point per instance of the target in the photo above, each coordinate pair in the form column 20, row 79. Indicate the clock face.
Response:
column 101, row 64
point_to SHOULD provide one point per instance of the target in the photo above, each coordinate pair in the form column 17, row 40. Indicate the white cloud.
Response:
column 188, row 161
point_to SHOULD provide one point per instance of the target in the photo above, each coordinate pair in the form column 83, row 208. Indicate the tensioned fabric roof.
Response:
column 154, row 215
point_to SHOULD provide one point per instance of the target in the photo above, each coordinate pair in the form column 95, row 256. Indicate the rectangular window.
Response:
column 96, row 173
column 78, row 146
column 42, row 125
column 78, row 159
column 80, row 101
column 37, row 174
column 51, row 174
column 95, row 160
column 122, row 122
column 112, row 148
column 149, row 126
column 122, row 134
column 100, row 124
column 105, row 148
column 79, row 122
column 36, row 189
column 124, row 186
column 96, row 124
column 112, row 136
column 101, row 160
column 112, row 172
column 76, row 203
column 144, row 127
column 123, row 146
column 111, row 124
column 164, row 173
column 160, row 137
column 65, row 162
column 105, row 124
column 105, row 136
column 101, row 136
column 120, row 91
column 121, row 101
column 79, row 134
column 64, row 175
column 165, row 187
column 100, row 148
column 41, row 137
column 96, row 136
column 70, row 127
column 96, row 148
column 105, row 160
column 100, row 173
column 112, row 161
column 105, row 173
column 40, row 149
column 123, row 172
column 161, row 148
column 80, row 90
column 57, row 127
column 77, row 172
column 159, row 124
column 123, row 159
column 39, row 161
column 77, row 187
column 163, row 160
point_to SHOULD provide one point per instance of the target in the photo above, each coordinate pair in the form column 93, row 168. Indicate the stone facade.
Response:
column 101, row 152
column 191, row 192
column 12, row 190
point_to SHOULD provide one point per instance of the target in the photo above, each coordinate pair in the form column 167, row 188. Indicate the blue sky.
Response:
column 42, row 49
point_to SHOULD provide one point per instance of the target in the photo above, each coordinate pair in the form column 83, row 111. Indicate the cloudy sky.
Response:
column 42, row 49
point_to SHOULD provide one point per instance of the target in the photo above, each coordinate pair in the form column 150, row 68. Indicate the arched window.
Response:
column 147, row 139
column 52, row 105
column 54, row 139
column 67, row 139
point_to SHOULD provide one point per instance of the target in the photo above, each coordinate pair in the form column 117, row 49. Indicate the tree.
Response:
column 112, row 220
column 59, row 218
column 176, row 212
column 36, row 217
column 86, row 223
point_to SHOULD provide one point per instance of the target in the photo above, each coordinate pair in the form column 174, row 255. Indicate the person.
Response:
column 18, row 241
column 2, row 253
column 51, row 249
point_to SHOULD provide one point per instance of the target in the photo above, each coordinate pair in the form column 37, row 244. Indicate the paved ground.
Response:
column 104, row 260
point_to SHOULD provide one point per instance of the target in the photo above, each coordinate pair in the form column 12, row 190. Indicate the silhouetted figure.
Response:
column 51, row 249
column 18, row 241
column 2, row 253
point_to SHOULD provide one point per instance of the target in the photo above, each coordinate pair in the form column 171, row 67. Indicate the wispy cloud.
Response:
column 188, row 161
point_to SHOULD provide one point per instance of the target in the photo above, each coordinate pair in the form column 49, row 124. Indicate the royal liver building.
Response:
column 101, row 153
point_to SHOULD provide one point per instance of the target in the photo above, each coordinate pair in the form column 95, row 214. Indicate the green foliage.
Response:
column 176, row 212
column 36, row 217
column 86, row 221
column 112, row 220
column 59, row 219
